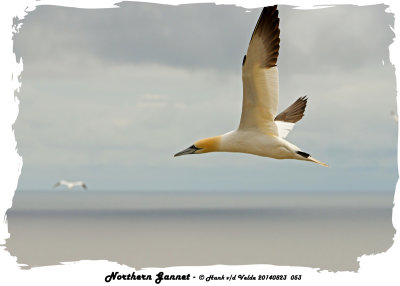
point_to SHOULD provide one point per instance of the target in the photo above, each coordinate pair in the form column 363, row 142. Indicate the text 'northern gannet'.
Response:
column 261, row 131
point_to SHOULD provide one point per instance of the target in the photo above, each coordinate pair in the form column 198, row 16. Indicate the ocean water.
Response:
column 159, row 229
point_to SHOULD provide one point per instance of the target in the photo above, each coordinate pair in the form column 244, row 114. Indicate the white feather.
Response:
column 284, row 128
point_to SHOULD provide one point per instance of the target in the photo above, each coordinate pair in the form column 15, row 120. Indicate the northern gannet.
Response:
column 261, row 131
column 70, row 185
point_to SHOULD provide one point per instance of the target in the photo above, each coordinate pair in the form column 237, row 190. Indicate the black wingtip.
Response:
column 267, row 28
column 270, row 12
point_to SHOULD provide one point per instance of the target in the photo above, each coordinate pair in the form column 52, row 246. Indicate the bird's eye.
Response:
column 194, row 147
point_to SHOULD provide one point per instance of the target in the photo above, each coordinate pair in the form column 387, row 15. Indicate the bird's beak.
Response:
column 191, row 150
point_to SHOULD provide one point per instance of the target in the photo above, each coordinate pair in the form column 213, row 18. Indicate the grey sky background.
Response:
column 109, row 95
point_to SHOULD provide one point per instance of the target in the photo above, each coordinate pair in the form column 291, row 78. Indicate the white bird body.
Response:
column 261, row 131
column 257, row 143
column 71, row 185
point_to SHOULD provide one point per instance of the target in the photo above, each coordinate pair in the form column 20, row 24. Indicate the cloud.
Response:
column 204, row 36
column 138, row 33
column 339, row 38
column 120, row 108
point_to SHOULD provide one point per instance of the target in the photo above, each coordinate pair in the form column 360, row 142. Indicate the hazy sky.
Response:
column 110, row 95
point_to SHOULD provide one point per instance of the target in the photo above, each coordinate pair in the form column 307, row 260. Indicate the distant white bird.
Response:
column 261, row 131
column 71, row 185
column 394, row 116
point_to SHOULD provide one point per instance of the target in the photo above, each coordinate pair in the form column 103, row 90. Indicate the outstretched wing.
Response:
column 293, row 113
column 287, row 118
column 260, row 75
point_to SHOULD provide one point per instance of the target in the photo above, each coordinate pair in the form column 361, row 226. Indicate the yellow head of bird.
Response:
column 202, row 146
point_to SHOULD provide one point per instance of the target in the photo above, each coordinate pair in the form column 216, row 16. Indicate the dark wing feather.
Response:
column 267, row 28
column 293, row 113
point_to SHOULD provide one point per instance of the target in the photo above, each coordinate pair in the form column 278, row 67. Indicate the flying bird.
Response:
column 70, row 185
column 261, row 130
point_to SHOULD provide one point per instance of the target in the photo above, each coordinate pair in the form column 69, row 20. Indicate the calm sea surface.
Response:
column 158, row 229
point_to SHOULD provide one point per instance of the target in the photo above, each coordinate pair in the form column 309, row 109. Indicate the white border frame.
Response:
column 374, row 269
